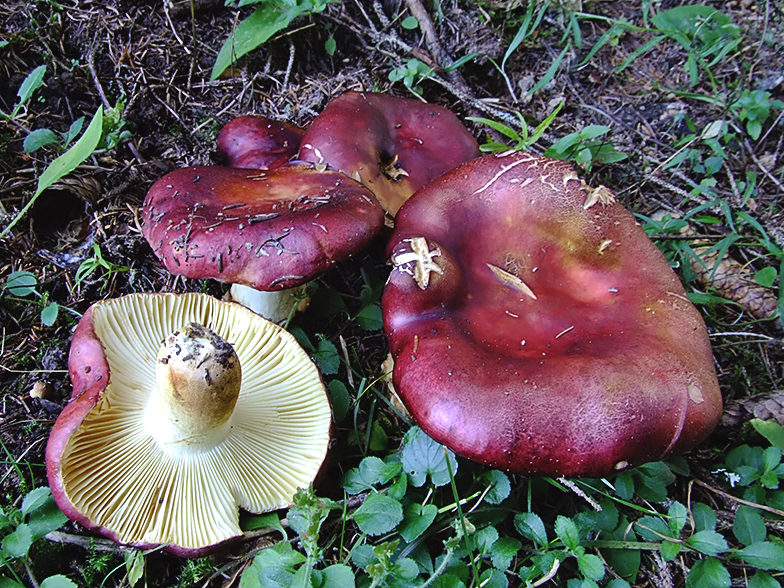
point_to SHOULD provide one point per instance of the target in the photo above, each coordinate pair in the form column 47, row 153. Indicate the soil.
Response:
column 155, row 58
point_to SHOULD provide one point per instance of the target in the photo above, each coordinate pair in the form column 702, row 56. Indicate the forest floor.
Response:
column 675, row 118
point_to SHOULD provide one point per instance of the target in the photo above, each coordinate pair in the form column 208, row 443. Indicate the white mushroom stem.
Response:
column 198, row 375
column 274, row 306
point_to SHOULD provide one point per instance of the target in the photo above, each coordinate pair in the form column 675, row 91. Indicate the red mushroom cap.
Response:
column 270, row 230
column 392, row 145
column 536, row 328
column 258, row 142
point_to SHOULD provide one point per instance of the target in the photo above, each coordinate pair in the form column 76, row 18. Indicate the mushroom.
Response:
column 269, row 230
column 394, row 146
column 162, row 443
column 537, row 329
column 258, row 142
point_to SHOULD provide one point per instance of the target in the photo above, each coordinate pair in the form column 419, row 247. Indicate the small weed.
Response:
column 31, row 83
column 94, row 263
column 65, row 164
column 523, row 140
column 21, row 528
column 586, row 148
column 19, row 286
column 411, row 74
column 753, row 109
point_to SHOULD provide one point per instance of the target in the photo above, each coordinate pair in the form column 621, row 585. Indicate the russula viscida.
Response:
column 394, row 146
column 184, row 410
column 270, row 230
column 257, row 142
column 536, row 328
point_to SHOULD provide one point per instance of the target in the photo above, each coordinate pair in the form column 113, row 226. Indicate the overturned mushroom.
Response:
column 232, row 414
column 258, row 142
column 269, row 230
column 392, row 145
column 537, row 329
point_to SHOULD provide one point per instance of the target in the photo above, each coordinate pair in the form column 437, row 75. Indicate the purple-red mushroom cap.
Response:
column 269, row 230
column 162, row 444
column 537, row 329
column 394, row 146
column 257, row 142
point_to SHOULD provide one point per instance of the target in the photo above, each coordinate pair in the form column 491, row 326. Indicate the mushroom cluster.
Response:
column 184, row 409
column 534, row 327
column 537, row 329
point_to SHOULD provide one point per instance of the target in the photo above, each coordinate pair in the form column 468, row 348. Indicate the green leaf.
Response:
column 35, row 499
column 39, row 138
column 372, row 471
column 134, row 566
column 704, row 517
column 567, row 532
column 7, row 582
column 58, row 581
column 677, row 516
column 748, row 526
column 66, row 163
column 763, row 580
column 625, row 562
column 493, row 578
column 423, row 457
column 45, row 516
column 530, row 526
column 457, row 63
column 363, row 556
column 416, row 520
column 337, row 576
column 504, row 551
column 669, row 550
column 330, row 45
column 273, row 567
column 708, row 542
column 263, row 521
column 73, row 131
column 708, row 573
column 653, row 528
column 21, row 283
column 49, row 314
column 771, row 430
column 370, row 318
column 550, row 73
column 341, row 401
column 327, row 357
column 591, row 566
column 410, row 23
column 18, row 542
column 398, row 488
column 253, row 32
column 643, row 49
column 624, row 485
column 33, row 81
column 379, row 514
column 484, row 539
column 405, row 569
column 500, row 487
column 71, row 159
column 764, row 555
